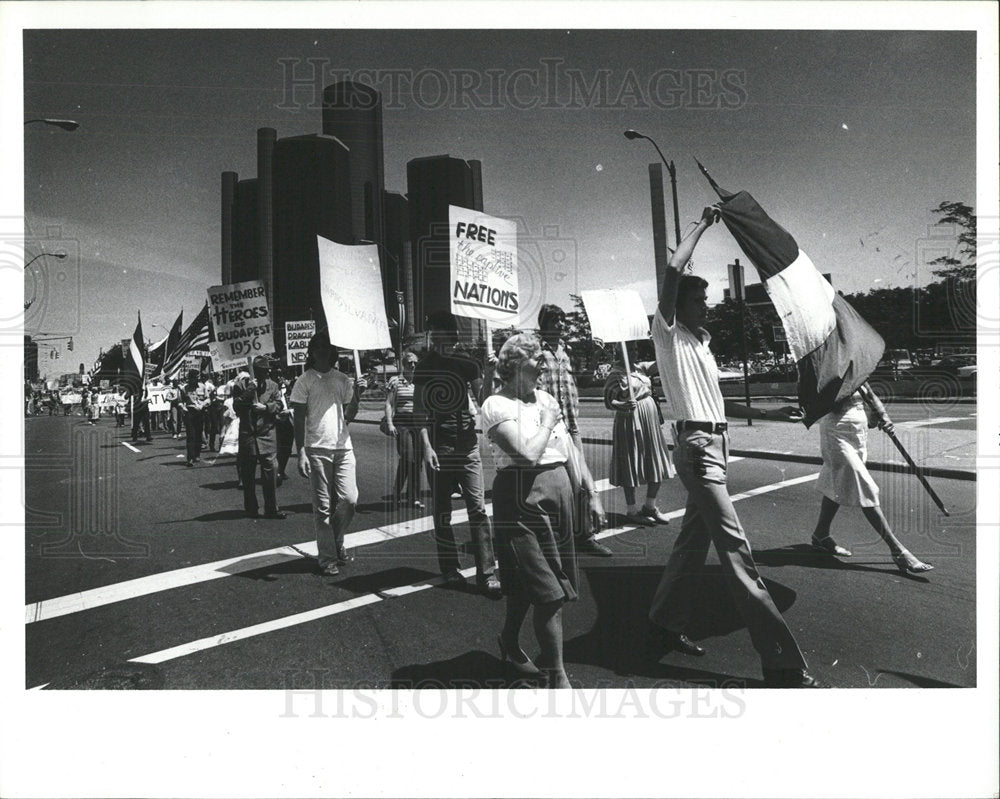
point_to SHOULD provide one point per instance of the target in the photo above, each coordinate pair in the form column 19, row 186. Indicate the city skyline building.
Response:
column 433, row 183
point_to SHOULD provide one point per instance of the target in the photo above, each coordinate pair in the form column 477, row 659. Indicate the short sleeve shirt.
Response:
column 442, row 401
column 557, row 379
column 528, row 417
column 688, row 373
column 325, row 394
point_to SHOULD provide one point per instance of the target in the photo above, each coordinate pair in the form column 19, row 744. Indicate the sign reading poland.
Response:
column 297, row 335
column 350, row 283
column 241, row 323
column 483, row 265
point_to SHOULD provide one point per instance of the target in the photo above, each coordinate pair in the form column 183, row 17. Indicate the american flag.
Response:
column 835, row 349
column 159, row 352
column 194, row 338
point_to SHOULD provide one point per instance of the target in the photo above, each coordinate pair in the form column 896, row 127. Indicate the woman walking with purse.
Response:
column 399, row 424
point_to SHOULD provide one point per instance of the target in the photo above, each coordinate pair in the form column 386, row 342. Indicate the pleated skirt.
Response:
column 639, row 453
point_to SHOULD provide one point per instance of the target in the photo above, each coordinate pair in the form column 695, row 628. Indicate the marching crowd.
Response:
column 546, row 508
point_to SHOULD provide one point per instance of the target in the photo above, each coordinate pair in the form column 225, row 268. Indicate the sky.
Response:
column 848, row 140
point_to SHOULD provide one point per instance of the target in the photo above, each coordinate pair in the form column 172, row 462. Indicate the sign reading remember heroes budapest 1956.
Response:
column 241, row 322
column 483, row 265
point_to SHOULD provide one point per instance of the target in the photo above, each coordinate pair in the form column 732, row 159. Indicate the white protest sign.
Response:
column 616, row 315
column 297, row 335
column 483, row 266
column 158, row 400
column 350, row 283
column 241, row 321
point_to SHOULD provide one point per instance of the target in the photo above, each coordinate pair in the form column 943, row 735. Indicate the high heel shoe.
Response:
column 908, row 564
column 524, row 668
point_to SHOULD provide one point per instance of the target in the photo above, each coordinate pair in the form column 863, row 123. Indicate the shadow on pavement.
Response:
column 805, row 556
column 115, row 676
column 229, row 485
column 475, row 669
column 918, row 680
column 618, row 638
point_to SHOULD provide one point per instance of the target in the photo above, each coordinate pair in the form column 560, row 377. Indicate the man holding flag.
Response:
column 134, row 378
column 692, row 398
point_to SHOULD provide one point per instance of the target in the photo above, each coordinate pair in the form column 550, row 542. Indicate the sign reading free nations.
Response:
column 483, row 265
column 241, row 322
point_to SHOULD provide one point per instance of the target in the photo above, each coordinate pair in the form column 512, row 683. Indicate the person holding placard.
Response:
column 692, row 398
column 443, row 408
column 539, row 473
column 324, row 401
column 639, row 454
column 556, row 378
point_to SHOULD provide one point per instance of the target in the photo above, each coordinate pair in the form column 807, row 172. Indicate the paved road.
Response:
column 140, row 571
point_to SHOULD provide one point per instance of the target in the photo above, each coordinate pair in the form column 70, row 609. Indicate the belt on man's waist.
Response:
column 705, row 427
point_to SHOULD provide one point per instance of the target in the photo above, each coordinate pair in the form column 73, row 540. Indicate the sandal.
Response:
column 830, row 547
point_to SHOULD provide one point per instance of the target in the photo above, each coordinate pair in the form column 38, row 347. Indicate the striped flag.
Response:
column 134, row 366
column 194, row 338
column 160, row 351
column 835, row 349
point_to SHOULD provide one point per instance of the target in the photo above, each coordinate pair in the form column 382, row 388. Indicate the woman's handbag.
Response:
column 383, row 426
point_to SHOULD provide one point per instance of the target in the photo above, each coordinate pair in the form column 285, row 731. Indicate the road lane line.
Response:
column 389, row 593
column 134, row 449
column 935, row 420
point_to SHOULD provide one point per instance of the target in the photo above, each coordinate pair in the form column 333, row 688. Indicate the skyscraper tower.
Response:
column 311, row 197
column 266, row 138
column 434, row 183
column 229, row 181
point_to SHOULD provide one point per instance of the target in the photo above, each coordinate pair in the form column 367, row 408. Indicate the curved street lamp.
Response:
column 59, row 255
column 634, row 134
column 65, row 124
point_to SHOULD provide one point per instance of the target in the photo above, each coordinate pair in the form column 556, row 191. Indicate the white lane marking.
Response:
column 368, row 599
column 935, row 420
column 134, row 449
column 191, row 575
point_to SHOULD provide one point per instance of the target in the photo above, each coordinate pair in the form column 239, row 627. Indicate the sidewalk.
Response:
column 943, row 449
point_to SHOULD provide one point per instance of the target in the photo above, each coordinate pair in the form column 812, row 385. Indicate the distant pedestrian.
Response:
column 176, row 409
column 194, row 400
column 140, row 415
column 284, row 429
column 399, row 420
column 845, row 479
column 257, row 403
column 445, row 384
column 94, row 408
column 120, row 401
column 639, row 454
column 213, row 416
column 324, row 401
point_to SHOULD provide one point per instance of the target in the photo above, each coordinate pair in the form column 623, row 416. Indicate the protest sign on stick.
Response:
column 483, row 282
column 617, row 315
column 297, row 336
column 241, row 321
column 350, row 282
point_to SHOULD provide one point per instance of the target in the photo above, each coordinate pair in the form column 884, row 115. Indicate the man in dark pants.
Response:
column 442, row 407
column 257, row 403
column 557, row 379
column 140, row 415
column 693, row 400
column 194, row 399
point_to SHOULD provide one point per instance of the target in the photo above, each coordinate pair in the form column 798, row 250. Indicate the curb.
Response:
column 814, row 460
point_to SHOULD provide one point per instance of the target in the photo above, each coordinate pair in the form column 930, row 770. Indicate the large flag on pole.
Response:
column 835, row 349
column 194, row 338
column 160, row 351
column 134, row 367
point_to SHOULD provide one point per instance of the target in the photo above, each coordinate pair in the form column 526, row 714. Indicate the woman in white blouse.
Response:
column 538, row 468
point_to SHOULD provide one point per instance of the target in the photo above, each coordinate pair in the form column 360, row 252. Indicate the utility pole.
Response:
column 737, row 292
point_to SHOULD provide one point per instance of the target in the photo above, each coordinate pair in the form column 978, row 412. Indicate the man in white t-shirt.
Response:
column 324, row 401
column 692, row 398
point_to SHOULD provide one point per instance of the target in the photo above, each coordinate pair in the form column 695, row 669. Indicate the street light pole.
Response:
column 634, row 134
column 65, row 124
column 59, row 255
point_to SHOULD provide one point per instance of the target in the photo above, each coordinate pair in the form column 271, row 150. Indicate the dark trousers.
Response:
column 213, row 424
column 193, row 421
column 247, row 461
column 465, row 469
column 140, row 420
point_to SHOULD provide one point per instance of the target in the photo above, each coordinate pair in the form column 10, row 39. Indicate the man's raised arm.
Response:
column 678, row 260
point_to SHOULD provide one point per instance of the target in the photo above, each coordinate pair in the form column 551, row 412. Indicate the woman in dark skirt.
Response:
column 538, row 468
column 639, row 454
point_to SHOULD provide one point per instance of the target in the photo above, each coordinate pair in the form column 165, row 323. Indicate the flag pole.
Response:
column 866, row 395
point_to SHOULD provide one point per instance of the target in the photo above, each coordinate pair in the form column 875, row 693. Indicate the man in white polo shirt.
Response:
column 324, row 400
column 692, row 398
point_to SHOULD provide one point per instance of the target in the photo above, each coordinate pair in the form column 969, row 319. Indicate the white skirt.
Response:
column 844, row 477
